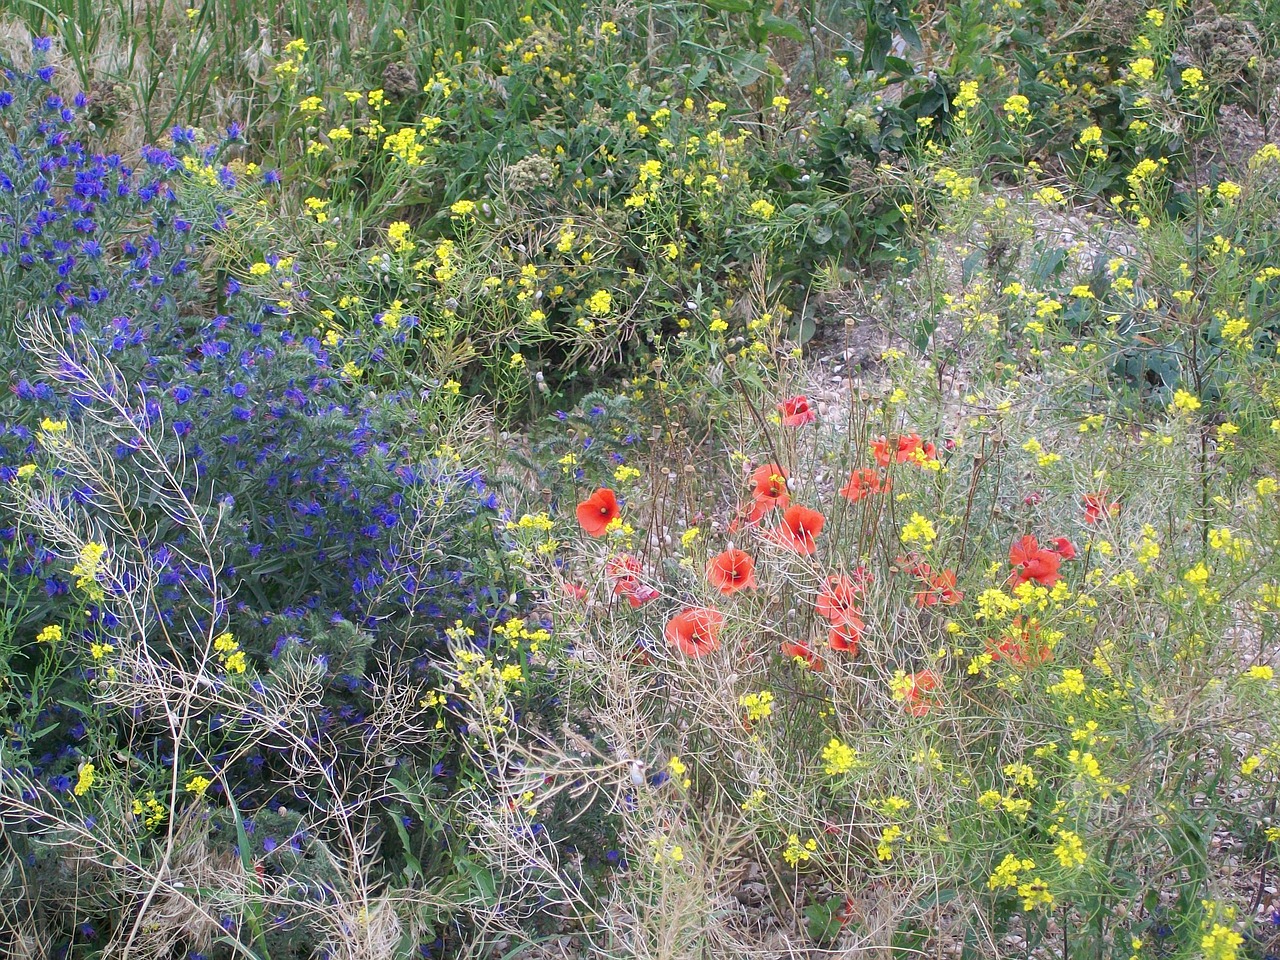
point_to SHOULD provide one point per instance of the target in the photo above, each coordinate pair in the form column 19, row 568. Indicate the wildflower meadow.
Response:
column 643, row 481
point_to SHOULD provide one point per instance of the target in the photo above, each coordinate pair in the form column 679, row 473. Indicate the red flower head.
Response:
column 640, row 655
column 802, row 651
column 845, row 635
column 796, row 411
column 919, row 685
column 880, row 448
column 912, row 564
column 864, row 483
column 1064, row 548
column 1096, row 507
column 621, row 568
column 577, row 591
column 768, row 490
column 695, row 631
column 941, row 590
column 1032, row 562
column 1021, row 645
column 908, row 447
column 640, row 594
column 624, row 570
column 732, row 571
column 798, row 530
column 598, row 511
column 838, row 600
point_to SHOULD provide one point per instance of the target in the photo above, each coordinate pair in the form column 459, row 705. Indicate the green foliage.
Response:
column 594, row 249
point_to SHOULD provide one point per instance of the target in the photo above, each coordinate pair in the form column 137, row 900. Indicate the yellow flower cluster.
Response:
column 1220, row 943
column 151, row 810
column 89, row 569
column 398, row 235
column 1006, row 874
column 233, row 660
column 1069, row 849
column 838, row 757
column 797, row 852
column 679, row 771
column 85, row 783
column 919, row 529
column 759, row 706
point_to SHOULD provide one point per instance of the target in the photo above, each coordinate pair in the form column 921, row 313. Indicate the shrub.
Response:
column 985, row 650
column 230, row 569
column 998, row 677
column 540, row 201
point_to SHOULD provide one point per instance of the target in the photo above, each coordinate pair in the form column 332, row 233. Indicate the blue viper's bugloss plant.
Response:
column 342, row 540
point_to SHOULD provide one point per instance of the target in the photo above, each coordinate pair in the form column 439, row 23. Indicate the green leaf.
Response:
column 482, row 880
column 822, row 920
column 969, row 265
column 909, row 34
column 413, row 866
column 254, row 905
column 899, row 68
column 781, row 27
column 803, row 329
column 1047, row 264
column 729, row 6
column 747, row 66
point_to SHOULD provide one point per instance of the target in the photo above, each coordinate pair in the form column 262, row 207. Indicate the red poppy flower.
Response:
column 900, row 449
column 1096, row 507
column 838, row 600
column 863, row 484
column 1064, row 548
column 880, row 449
column 769, row 482
column 844, row 636
column 624, row 570
column 1033, row 562
column 640, row 655
column 920, row 684
column 1021, row 645
column 913, row 565
column 731, row 571
column 695, row 631
column 768, row 490
column 796, row 411
column 641, row 594
column 621, row 568
column 803, row 652
column 941, row 590
column 577, row 591
column 598, row 511
column 798, row 530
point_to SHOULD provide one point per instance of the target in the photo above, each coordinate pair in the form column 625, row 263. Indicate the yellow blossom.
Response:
column 1220, row 943
column 600, row 302
column 838, row 757
column 1143, row 68
column 85, row 783
column 1017, row 106
column 918, row 529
